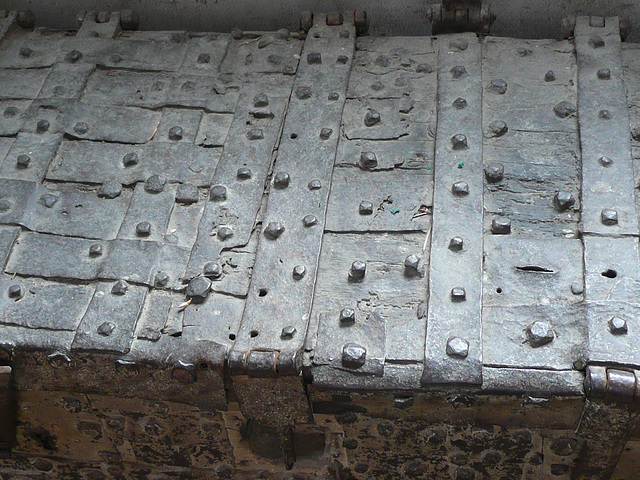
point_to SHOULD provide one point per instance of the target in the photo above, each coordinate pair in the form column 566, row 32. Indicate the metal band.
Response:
column 453, row 352
column 279, row 301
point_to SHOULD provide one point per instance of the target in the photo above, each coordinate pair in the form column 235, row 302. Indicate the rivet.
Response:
column 282, row 34
column 15, row 291
column 218, row 193
column 255, row 134
column 81, row 128
column 458, row 44
column 309, row 221
column 498, row 128
column 333, row 96
column 260, row 100
column 368, row 160
column 288, row 332
column 73, row 56
column 130, row 159
column 109, row 190
column 550, row 76
column 264, row 42
column 377, row 86
column 342, row 59
column 25, row 52
column 344, row 34
column 459, row 142
column 106, row 329
column 540, row 333
column 494, row 172
column 412, row 266
column 281, row 180
column 115, row 58
column 143, row 229
column 119, row 288
column 618, row 326
column 95, row 250
column 605, row 161
column 459, row 103
column 42, row 126
column 608, row 216
column 161, row 279
column 198, row 289
column 314, row 185
column 302, row 93
column 357, row 271
column 564, row 201
column 596, row 42
column 10, row 112
column 460, row 189
column 382, row 61
column 458, row 71
column 243, row 173
column 577, row 288
column 564, row 109
column 325, row 133
column 365, row 208
column 604, row 74
column 371, row 118
column 457, row 347
column 523, row 52
column 353, row 355
column 48, row 200
column 604, row 114
column 237, row 34
column 347, row 316
column 458, row 294
column 187, row 194
column 224, row 233
column 277, row 60
column 154, row 184
column 497, row 86
column 314, row 58
column 424, row 68
column 500, row 226
column 273, row 230
column 175, row 133
column 212, row 270
column 456, row 244
column 299, row 271
column 203, row 58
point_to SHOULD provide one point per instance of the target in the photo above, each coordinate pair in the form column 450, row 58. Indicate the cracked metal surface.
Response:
column 231, row 255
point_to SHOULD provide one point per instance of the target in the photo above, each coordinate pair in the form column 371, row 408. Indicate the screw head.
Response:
column 218, row 193
column 288, row 332
column 273, row 230
column 365, row 208
column 281, row 180
column 198, row 289
column 618, row 326
column 498, row 86
column 143, row 229
column 299, row 271
column 460, row 189
column 500, row 226
column 564, row 201
column 353, row 355
column 457, row 347
column 459, row 142
column 371, row 118
column 212, row 270
column 540, row 333
column 494, row 172
column 347, row 316
column 357, row 271
column 368, row 160
column 120, row 288
column 456, row 244
column 609, row 217
column 458, row 294
column 498, row 128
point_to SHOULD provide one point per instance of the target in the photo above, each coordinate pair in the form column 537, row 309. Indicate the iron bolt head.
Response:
column 500, row 226
column 459, row 103
column 282, row 34
column 371, row 118
column 498, row 128
column 15, row 291
column 457, row 347
column 281, row 180
column 523, row 52
column 498, row 86
column 119, row 288
column 325, row 133
column 109, row 190
column 618, row 326
column 412, row 266
column 288, row 332
column 299, row 271
column 458, row 44
column 357, row 271
column 540, row 333
column 175, row 133
column 365, row 208
column 187, row 194
column 81, row 128
column 42, row 126
column 48, row 200
column 577, row 288
column 458, row 71
column 95, row 250
column 605, row 114
column 494, row 172
column 309, row 221
column 377, row 86
column 550, row 76
column 161, row 279
column 255, row 134
column 198, row 289
column 260, row 100
column 130, row 159
column 314, row 58
column 23, row 161
column 460, row 189
column 368, row 160
column 143, row 229
column 203, row 58
column 609, row 217
column 106, row 329
column 73, row 56
column 302, row 93
column 605, row 161
column 456, row 244
column 243, row 173
column 344, row 34
column 314, row 185
column 273, row 230
column 218, row 193
column 342, row 59
column 333, row 96
column 459, row 142
column 237, row 34
column 347, row 316
column 25, row 52
column 458, row 294
column 212, row 270
column 154, row 184
column 424, row 68
column 596, row 42
column 564, row 109
column 224, row 233
column 564, row 201
column 604, row 74
column 353, row 355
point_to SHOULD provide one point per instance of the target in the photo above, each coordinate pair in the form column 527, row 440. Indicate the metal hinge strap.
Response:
column 7, row 409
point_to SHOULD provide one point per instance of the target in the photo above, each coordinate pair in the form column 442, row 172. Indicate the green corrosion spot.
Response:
column 460, row 164
column 395, row 210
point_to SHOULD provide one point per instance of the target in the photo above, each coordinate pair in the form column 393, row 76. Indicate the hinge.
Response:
column 455, row 16
column 612, row 386
column 7, row 410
